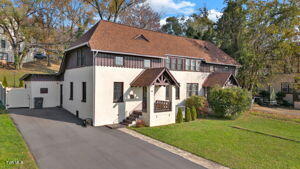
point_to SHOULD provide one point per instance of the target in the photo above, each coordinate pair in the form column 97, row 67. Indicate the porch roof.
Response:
column 154, row 76
column 218, row 78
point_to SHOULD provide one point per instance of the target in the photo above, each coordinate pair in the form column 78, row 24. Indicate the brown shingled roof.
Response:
column 218, row 78
column 149, row 76
column 113, row 37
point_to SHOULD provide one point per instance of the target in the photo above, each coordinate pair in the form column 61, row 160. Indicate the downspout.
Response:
column 94, row 86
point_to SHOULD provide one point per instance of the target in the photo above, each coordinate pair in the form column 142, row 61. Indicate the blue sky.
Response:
column 186, row 7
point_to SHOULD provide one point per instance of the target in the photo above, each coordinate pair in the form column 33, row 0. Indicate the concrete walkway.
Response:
column 57, row 141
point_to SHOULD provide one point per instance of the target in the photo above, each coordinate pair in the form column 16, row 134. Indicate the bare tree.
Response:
column 110, row 9
column 142, row 16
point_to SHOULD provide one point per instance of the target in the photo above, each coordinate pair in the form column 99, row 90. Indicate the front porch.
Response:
column 158, row 95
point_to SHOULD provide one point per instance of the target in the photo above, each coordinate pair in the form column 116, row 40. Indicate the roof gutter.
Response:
column 122, row 53
column 77, row 46
column 223, row 64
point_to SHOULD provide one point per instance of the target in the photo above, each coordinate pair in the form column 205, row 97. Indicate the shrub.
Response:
column 4, row 82
column 21, row 84
column 194, row 113
column 195, row 101
column 179, row 117
column 279, row 97
column 229, row 102
column 188, row 116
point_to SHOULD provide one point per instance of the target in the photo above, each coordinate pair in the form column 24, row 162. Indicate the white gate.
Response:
column 17, row 98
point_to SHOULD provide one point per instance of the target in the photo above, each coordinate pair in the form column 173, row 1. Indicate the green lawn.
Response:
column 13, row 150
column 215, row 140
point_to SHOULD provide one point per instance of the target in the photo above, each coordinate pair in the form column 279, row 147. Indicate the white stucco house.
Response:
column 6, row 52
column 116, row 74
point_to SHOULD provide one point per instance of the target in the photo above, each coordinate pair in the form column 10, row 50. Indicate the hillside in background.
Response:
column 39, row 66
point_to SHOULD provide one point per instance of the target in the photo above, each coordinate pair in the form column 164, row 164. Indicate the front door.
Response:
column 61, row 95
column 144, row 98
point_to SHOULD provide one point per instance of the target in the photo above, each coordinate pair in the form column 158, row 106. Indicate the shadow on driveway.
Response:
column 57, row 141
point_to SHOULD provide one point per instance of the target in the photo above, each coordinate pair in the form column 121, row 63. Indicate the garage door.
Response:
column 17, row 98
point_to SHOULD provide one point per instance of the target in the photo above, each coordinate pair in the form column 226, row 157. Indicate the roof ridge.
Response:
column 154, row 31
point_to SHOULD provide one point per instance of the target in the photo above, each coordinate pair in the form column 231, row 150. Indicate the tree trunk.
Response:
column 48, row 60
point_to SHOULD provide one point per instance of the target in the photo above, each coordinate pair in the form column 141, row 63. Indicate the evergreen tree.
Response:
column 179, row 117
column 4, row 82
column 194, row 113
column 188, row 116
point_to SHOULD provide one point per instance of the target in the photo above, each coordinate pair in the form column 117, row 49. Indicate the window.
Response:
column 226, row 69
column 179, row 64
column 286, row 87
column 211, row 68
column 187, row 64
column 193, row 65
column 3, row 56
column 198, row 65
column 43, row 90
column 118, row 92
column 191, row 89
column 119, row 61
column 83, row 92
column 167, row 92
column 168, row 63
column 147, row 63
column 177, row 90
column 78, row 53
column 173, row 64
column 71, row 90
column 3, row 44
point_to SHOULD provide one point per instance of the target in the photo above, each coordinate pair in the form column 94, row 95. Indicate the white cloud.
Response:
column 170, row 7
column 214, row 15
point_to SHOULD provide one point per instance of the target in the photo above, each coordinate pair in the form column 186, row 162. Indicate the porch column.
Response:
column 172, row 99
column 150, row 104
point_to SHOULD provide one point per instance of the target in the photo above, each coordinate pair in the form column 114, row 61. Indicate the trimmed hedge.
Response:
column 229, row 102
column 194, row 113
column 179, row 116
column 188, row 116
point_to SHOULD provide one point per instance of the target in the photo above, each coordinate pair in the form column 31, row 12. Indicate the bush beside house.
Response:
column 4, row 82
column 229, row 102
column 179, row 116
column 188, row 115
column 194, row 113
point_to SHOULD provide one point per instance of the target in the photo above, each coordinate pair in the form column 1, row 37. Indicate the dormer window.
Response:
column 141, row 37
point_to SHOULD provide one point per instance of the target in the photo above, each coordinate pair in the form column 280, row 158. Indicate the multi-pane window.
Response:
column 147, row 63
column 177, row 91
column 71, row 90
column 167, row 92
column 211, row 68
column 119, row 61
column 286, row 87
column 118, row 92
column 191, row 89
column 173, row 64
column 187, row 64
column 198, row 65
column 179, row 64
column 3, row 44
column 168, row 63
column 83, row 92
column 193, row 65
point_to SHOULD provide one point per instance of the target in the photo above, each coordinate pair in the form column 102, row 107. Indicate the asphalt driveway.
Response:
column 57, row 141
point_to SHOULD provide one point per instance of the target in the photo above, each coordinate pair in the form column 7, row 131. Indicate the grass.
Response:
column 13, row 150
column 215, row 140
column 13, row 76
column 285, row 117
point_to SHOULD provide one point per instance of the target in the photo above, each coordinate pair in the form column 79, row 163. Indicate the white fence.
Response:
column 14, row 97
